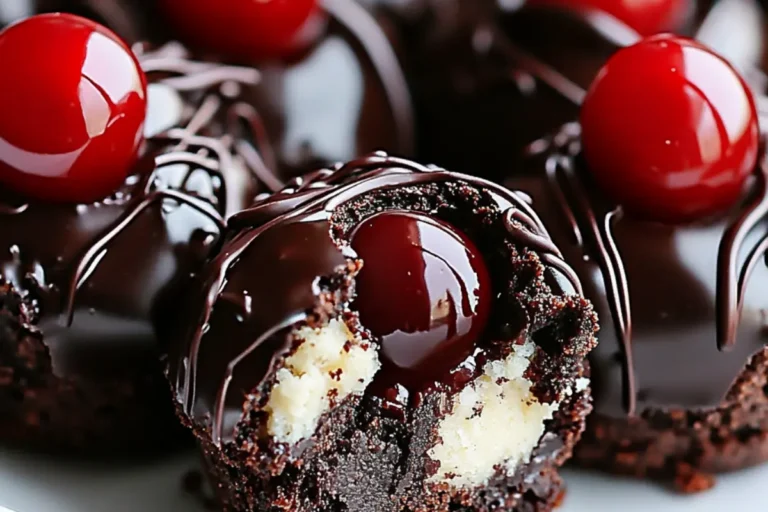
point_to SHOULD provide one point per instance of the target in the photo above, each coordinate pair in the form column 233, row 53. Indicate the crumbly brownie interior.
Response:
column 316, row 436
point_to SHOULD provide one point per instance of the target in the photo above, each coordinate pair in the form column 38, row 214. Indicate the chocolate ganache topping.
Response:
column 246, row 309
column 103, row 277
column 681, row 305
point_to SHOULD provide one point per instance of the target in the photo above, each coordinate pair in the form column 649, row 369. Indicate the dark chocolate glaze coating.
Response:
column 682, row 307
column 252, row 306
column 482, row 88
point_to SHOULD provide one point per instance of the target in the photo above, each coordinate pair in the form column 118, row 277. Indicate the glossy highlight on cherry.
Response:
column 647, row 17
column 670, row 130
column 245, row 30
column 424, row 291
column 74, row 100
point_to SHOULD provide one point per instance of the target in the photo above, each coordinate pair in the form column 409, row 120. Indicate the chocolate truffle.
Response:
column 386, row 336
column 679, row 377
column 87, row 290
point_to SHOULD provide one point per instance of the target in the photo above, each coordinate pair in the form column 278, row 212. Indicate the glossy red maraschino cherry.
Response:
column 424, row 291
column 647, row 17
column 72, row 106
column 245, row 30
column 670, row 130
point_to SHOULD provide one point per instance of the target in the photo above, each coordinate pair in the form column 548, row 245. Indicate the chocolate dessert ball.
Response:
column 101, row 228
column 386, row 336
column 658, row 199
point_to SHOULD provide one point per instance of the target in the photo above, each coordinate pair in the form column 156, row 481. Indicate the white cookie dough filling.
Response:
column 495, row 421
column 329, row 365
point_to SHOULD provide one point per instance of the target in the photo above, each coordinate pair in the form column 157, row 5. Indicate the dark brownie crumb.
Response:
column 45, row 412
column 683, row 447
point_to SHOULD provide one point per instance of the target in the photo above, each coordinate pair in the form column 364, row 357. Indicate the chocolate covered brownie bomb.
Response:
column 657, row 200
column 386, row 336
column 101, row 228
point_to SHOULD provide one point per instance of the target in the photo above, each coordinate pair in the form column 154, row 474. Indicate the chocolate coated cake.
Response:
column 90, row 277
column 386, row 336
column 661, row 213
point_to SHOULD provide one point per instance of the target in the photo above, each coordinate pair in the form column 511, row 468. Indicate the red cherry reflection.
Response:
column 647, row 17
column 670, row 130
column 73, row 102
column 424, row 290
column 245, row 30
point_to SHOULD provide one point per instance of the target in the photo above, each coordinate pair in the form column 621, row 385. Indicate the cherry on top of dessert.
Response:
column 245, row 30
column 670, row 130
column 424, row 291
column 647, row 17
column 73, row 101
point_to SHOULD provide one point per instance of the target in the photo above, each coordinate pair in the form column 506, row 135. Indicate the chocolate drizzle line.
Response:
column 558, row 163
column 225, row 82
column 369, row 34
column 731, row 283
column 314, row 198
column 732, row 280
column 537, row 68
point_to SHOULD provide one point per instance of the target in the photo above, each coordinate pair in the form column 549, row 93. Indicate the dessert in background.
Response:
column 658, row 199
column 383, row 335
column 488, row 77
column 330, row 86
column 100, row 229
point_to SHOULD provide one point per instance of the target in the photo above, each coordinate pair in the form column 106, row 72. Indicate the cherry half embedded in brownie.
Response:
column 386, row 336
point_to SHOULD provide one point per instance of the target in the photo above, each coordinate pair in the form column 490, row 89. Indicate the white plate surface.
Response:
column 34, row 484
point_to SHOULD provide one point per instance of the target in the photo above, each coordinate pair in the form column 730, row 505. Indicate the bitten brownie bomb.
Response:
column 662, row 215
column 329, row 86
column 386, row 336
column 489, row 77
column 101, row 228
